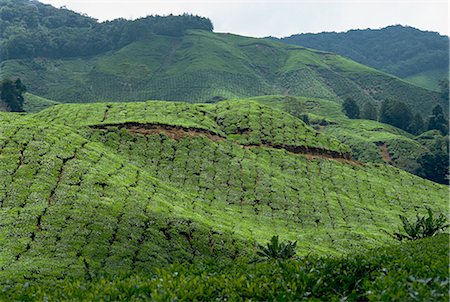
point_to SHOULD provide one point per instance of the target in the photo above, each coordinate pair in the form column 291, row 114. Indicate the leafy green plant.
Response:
column 276, row 250
column 422, row 227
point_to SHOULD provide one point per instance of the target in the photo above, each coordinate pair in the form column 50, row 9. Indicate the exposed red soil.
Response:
column 385, row 153
column 174, row 132
column 179, row 132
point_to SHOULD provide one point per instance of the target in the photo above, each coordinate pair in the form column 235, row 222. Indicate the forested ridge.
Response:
column 30, row 29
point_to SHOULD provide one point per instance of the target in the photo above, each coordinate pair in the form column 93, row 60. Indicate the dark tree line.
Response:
column 11, row 94
column 31, row 29
column 434, row 163
column 398, row 114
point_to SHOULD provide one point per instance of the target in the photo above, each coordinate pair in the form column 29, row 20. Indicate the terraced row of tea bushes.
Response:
column 325, row 204
column 247, row 123
column 152, row 112
column 70, row 207
column 250, row 123
column 415, row 271
column 370, row 141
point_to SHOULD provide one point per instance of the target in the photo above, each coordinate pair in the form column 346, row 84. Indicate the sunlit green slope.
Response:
column 84, row 192
column 370, row 141
column 203, row 66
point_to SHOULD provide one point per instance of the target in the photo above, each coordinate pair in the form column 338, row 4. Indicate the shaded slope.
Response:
column 203, row 66
column 34, row 103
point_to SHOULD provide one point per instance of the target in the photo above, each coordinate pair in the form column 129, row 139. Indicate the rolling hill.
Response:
column 203, row 66
column 120, row 188
column 145, row 168
column 370, row 141
column 176, row 58
column 420, row 57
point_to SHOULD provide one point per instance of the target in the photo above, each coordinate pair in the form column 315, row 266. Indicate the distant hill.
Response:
column 176, row 58
column 420, row 57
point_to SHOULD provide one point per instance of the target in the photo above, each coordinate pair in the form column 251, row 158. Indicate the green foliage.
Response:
column 438, row 121
column 396, row 50
column 395, row 113
column 417, row 125
column 350, row 108
column 276, row 250
column 422, row 227
column 199, row 66
column 29, row 29
column 416, row 271
column 11, row 93
column 434, row 163
column 443, row 85
column 369, row 111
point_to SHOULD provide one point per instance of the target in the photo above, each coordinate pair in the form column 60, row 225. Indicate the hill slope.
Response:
column 420, row 57
column 370, row 141
column 99, row 197
column 175, row 58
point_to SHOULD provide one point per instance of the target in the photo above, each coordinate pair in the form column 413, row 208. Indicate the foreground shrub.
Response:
column 422, row 227
column 409, row 271
column 276, row 250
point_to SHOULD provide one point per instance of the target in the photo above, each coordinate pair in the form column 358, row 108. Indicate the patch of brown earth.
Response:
column 174, row 132
column 385, row 153
column 178, row 132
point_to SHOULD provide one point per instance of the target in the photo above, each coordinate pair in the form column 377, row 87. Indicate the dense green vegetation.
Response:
column 416, row 271
column 91, row 191
column 193, row 64
column 11, row 94
column 30, row 29
column 425, row 155
column 175, row 201
column 421, row 57
column 34, row 103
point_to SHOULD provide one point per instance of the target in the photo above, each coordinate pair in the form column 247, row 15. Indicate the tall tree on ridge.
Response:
column 350, row 108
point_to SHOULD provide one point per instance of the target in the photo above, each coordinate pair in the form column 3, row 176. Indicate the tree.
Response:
column 417, row 124
column 443, row 84
column 369, row 111
column 438, row 121
column 396, row 114
column 434, row 164
column 12, row 94
column 350, row 108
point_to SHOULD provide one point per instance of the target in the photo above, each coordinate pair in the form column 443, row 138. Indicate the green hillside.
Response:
column 204, row 66
column 84, row 193
column 429, row 79
column 34, row 103
column 420, row 57
column 370, row 141
column 70, row 58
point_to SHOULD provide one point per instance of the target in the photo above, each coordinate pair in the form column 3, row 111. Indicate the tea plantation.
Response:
column 100, row 201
